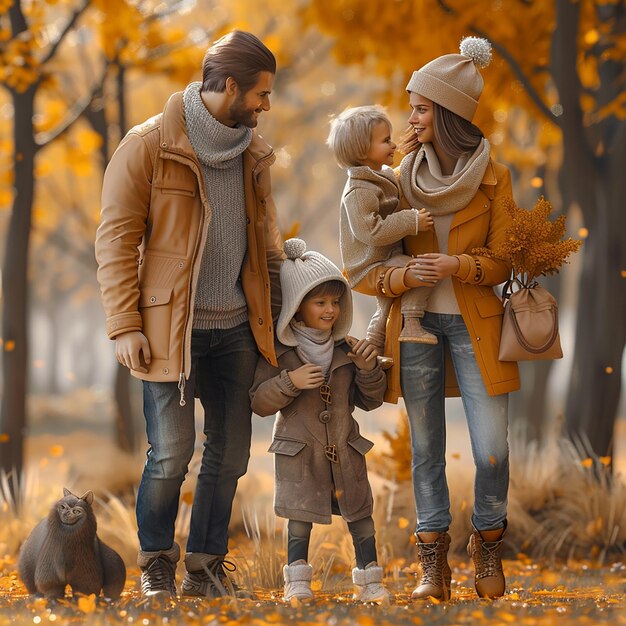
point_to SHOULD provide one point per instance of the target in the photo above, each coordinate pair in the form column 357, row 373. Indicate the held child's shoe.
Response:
column 298, row 580
column 413, row 332
column 368, row 584
column 385, row 362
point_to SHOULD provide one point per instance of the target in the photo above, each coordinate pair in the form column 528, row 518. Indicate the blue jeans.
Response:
column 223, row 366
column 422, row 374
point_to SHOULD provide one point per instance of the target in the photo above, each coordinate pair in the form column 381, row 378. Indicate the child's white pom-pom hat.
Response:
column 453, row 80
column 300, row 272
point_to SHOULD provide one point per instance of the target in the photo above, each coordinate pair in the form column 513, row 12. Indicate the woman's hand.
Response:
column 433, row 266
column 307, row 376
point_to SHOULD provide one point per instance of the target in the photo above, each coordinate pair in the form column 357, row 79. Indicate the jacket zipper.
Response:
column 182, row 380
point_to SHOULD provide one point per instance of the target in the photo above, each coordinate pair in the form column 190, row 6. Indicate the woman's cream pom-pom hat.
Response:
column 300, row 272
column 453, row 81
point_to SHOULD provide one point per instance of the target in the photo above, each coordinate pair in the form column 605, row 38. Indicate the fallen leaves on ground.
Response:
column 537, row 594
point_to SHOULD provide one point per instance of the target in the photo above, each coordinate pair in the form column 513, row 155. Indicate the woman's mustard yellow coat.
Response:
column 481, row 224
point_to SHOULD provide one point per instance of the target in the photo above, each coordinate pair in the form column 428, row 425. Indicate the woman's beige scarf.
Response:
column 423, row 184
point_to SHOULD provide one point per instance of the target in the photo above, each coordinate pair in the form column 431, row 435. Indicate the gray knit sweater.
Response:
column 371, row 227
column 220, row 301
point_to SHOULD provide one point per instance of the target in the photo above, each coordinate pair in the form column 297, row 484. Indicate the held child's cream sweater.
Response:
column 371, row 226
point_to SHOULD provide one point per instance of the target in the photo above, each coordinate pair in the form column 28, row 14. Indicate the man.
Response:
column 189, row 255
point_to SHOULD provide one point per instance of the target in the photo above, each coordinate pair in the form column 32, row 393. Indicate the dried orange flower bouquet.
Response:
column 533, row 245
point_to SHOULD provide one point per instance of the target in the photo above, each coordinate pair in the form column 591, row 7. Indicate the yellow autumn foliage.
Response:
column 533, row 244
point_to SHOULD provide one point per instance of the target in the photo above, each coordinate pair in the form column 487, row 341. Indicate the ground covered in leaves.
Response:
column 541, row 594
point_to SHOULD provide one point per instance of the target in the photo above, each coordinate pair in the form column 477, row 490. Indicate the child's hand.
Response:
column 362, row 353
column 408, row 141
column 424, row 220
column 307, row 376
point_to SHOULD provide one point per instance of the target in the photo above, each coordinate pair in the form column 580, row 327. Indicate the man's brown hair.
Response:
column 238, row 54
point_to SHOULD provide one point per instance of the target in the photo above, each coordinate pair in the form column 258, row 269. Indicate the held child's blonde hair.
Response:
column 350, row 134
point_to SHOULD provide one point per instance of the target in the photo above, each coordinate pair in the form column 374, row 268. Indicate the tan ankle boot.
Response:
column 485, row 548
column 436, row 573
column 413, row 332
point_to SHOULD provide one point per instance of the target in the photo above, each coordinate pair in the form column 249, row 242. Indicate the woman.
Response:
column 450, row 173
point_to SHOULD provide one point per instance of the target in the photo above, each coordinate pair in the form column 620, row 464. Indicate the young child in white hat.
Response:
column 319, row 452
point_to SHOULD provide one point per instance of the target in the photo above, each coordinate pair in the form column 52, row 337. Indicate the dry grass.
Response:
column 562, row 505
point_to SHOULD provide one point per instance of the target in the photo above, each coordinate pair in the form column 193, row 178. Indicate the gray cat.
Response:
column 64, row 549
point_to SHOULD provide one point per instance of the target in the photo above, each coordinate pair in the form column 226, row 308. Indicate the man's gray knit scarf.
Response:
column 219, row 301
column 424, row 185
column 215, row 144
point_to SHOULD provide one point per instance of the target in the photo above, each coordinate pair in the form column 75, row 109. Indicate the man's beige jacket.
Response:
column 153, row 230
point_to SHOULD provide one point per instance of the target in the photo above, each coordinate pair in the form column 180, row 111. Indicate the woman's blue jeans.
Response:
column 422, row 374
column 223, row 366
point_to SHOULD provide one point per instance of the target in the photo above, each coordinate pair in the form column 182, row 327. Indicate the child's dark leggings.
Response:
column 362, row 532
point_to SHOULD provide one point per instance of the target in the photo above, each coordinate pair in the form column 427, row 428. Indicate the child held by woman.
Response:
column 371, row 225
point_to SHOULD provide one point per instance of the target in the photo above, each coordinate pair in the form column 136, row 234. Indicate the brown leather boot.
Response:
column 485, row 548
column 436, row 573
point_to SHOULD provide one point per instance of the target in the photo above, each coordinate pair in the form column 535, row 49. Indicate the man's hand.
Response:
column 434, row 266
column 307, row 376
column 362, row 353
column 133, row 351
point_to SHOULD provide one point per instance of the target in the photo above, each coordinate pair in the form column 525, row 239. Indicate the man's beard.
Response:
column 239, row 114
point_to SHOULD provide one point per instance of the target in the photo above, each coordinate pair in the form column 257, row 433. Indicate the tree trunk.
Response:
column 595, row 383
column 593, row 170
column 15, row 290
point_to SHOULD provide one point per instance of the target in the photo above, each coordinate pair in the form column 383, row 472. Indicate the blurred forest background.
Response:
column 75, row 75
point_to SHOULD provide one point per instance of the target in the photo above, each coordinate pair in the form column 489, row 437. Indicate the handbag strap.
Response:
column 522, row 340
column 507, row 290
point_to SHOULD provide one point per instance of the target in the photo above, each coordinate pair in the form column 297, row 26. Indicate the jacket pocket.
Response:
column 488, row 306
column 361, row 444
column 357, row 449
column 155, row 306
column 178, row 192
column 289, row 460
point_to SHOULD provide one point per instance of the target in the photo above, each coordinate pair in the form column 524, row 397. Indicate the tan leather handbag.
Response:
column 530, row 328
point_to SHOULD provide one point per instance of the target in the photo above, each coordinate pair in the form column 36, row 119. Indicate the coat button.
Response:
column 181, row 264
column 260, row 321
column 477, row 338
column 166, row 370
column 324, row 417
column 163, row 145
column 247, row 220
column 153, row 299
